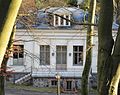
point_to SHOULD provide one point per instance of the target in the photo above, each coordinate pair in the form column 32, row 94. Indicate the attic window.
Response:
column 58, row 21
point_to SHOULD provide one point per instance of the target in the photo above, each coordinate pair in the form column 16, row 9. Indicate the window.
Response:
column 69, row 85
column 61, row 55
column 44, row 55
column 77, row 55
column 62, row 20
column 53, row 82
column 56, row 20
column 18, row 54
column 59, row 21
column 67, row 22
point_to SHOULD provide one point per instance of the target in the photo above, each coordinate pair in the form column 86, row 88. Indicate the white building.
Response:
column 55, row 48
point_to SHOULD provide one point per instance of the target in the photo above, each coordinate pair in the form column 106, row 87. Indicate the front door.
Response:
column 61, row 57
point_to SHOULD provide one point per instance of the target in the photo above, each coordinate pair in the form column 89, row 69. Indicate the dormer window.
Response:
column 58, row 21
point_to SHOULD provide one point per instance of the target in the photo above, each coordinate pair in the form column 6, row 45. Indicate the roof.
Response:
column 78, row 15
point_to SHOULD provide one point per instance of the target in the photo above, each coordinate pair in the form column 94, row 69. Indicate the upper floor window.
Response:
column 44, row 55
column 77, row 55
column 59, row 21
column 18, row 54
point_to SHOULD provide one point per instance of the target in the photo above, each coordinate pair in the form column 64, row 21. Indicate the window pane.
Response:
column 64, row 58
column 75, row 58
column 58, row 48
column 21, row 55
column 58, row 58
column 80, row 48
column 42, row 58
column 64, row 48
column 15, row 55
column 41, row 48
column 75, row 48
column 62, row 21
column 67, row 22
column 56, row 20
column 48, row 58
column 47, row 48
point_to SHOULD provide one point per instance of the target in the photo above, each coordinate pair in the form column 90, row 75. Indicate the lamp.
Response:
column 58, row 83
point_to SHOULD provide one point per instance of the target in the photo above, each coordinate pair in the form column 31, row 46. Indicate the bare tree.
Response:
column 108, row 52
column 89, row 43
column 9, row 10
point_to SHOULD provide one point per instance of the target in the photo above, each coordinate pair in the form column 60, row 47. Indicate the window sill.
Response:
column 77, row 65
column 16, row 65
column 44, row 64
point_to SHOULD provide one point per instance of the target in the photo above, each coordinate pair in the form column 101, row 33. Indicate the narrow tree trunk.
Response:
column 86, row 71
column 8, row 13
column 115, row 81
column 2, row 91
column 4, row 63
column 115, row 67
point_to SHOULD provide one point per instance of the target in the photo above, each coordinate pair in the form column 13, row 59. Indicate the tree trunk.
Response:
column 105, row 45
column 2, row 91
column 8, row 10
column 117, row 10
column 115, row 66
column 4, row 63
column 89, row 43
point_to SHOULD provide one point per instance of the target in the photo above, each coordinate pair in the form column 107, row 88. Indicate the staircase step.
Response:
column 23, row 79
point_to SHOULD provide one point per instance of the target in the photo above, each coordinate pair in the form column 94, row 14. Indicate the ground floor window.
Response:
column 44, row 55
column 78, row 55
column 18, row 54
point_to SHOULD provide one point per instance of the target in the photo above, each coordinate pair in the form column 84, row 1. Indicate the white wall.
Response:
column 70, row 38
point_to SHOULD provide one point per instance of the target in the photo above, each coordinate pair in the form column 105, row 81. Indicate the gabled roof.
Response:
column 62, row 11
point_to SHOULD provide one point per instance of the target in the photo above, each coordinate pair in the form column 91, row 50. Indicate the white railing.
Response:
column 23, row 79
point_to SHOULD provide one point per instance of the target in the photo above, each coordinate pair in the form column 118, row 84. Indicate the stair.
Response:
column 23, row 79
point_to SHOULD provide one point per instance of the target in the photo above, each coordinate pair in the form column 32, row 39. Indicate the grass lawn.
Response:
column 42, row 89
column 31, row 88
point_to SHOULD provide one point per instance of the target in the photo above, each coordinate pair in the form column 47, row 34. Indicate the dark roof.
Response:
column 43, row 18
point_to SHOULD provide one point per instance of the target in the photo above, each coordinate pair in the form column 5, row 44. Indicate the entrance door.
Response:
column 61, row 57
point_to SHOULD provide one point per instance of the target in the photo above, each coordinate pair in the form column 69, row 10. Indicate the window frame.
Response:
column 58, row 21
column 78, row 56
column 45, row 54
column 54, row 83
column 18, row 54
